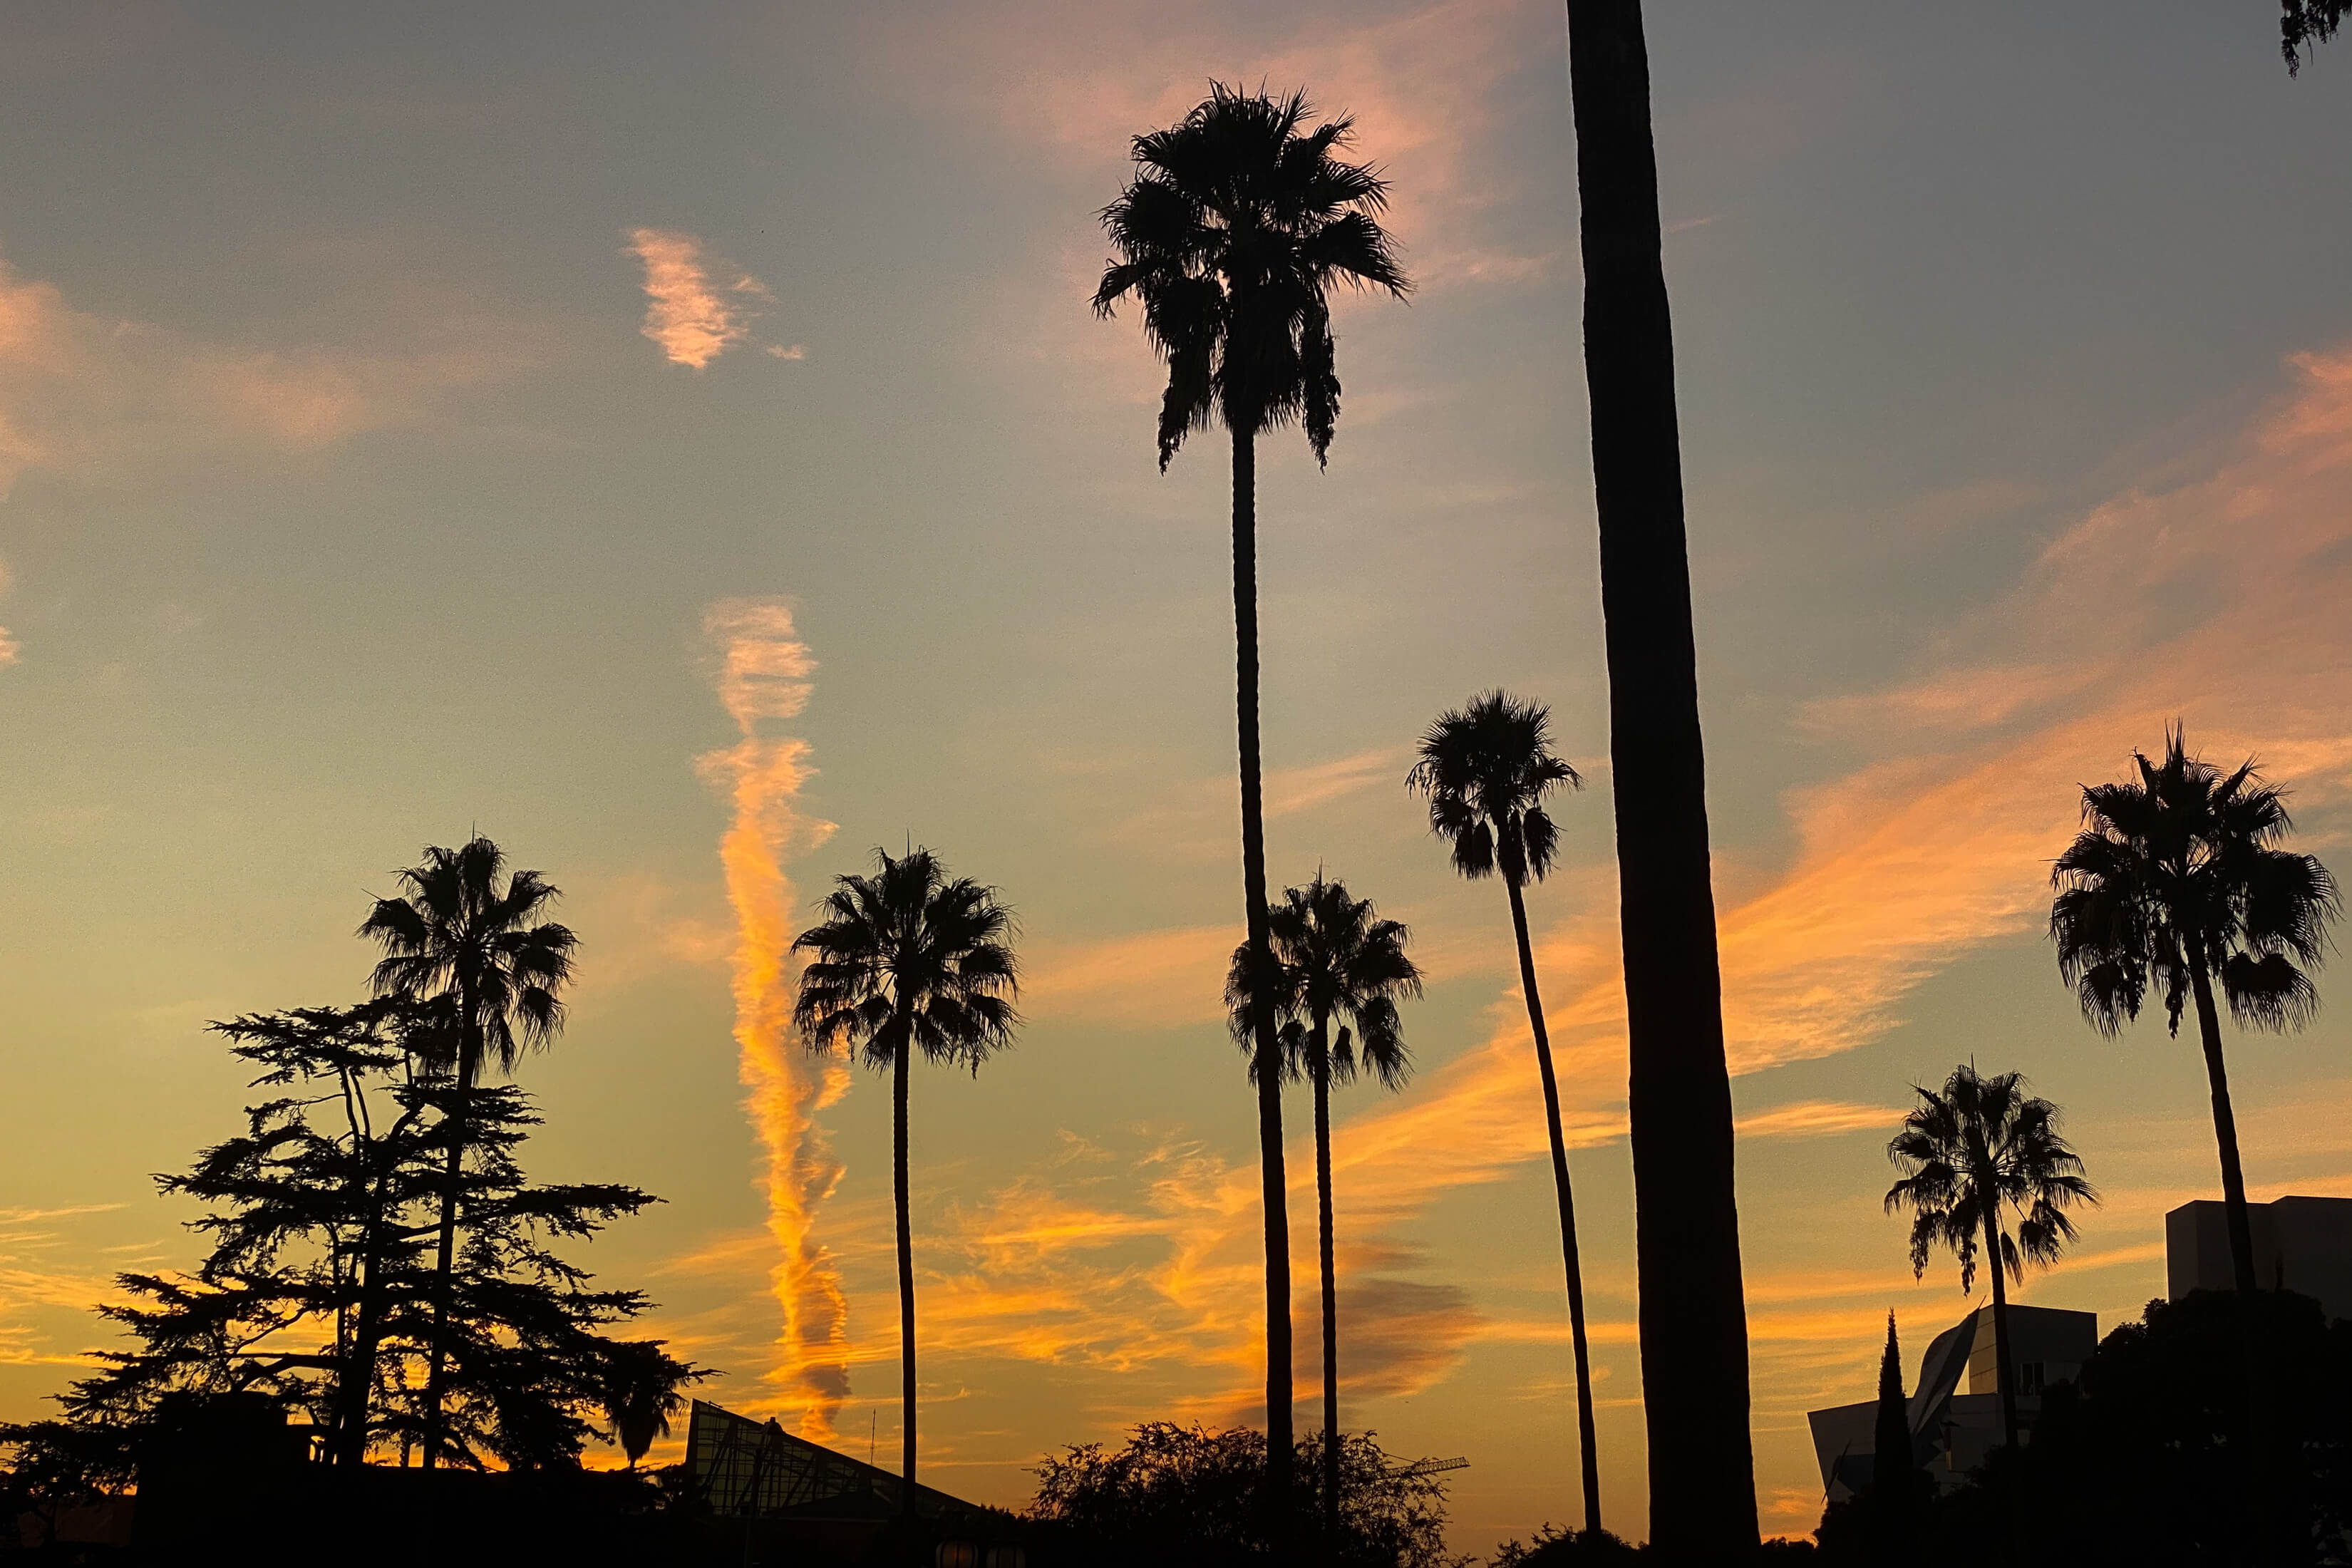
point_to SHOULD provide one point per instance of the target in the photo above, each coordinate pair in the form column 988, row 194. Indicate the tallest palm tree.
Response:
column 1693, row 1313
column 1237, row 225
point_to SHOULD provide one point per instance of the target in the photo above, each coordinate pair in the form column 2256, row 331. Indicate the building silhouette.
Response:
column 2301, row 1244
column 1954, row 1411
column 2304, row 1244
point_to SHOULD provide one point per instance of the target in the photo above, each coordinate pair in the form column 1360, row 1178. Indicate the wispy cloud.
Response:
column 762, row 676
column 79, row 390
column 692, row 316
column 1152, row 980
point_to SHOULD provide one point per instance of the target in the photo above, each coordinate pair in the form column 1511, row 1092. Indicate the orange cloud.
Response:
column 692, row 318
column 1152, row 980
column 762, row 674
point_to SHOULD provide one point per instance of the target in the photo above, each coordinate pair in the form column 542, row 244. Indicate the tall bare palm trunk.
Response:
column 469, row 1057
column 1322, row 1062
column 906, row 1284
column 1693, row 1318
column 1570, row 1256
column 1279, row 1437
column 2003, row 1375
column 355, row 1380
column 2225, row 1132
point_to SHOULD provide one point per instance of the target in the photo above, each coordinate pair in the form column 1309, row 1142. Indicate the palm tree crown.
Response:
column 1232, row 232
column 1486, row 770
column 906, row 957
column 1336, row 961
column 2179, row 873
column 458, row 933
column 1974, row 1153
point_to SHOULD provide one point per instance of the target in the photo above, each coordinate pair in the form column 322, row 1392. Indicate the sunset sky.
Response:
column 674, row 440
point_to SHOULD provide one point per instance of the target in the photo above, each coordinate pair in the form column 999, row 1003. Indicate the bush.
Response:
column 1186, row 1494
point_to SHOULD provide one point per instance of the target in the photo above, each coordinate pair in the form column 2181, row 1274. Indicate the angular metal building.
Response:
column 1954, row 1412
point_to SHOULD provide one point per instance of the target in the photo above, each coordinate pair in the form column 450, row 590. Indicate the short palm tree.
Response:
column 909, row 960
column 1239, row 222
column 1338, row 962
column 643, row 1387
column 1972, row 1153
column 468, row 936
column 2176, row 880
column 1486, row 770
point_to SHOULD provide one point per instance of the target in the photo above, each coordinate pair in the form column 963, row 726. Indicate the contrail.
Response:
column 763, row 676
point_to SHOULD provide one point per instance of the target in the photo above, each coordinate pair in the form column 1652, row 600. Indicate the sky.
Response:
column 674, row 442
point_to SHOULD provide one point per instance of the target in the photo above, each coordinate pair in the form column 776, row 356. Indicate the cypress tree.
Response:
column 1892, row 1466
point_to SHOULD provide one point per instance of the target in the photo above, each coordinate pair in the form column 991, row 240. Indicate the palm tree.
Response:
column 1693, row 1313
column 909, row 959
column 1486, row 770
column 644, row 1388
column 1336, row 962
column 1239, row 222
column 467, row 936
column 2303, row 23
column 2175, row 879
column 1971, row 1154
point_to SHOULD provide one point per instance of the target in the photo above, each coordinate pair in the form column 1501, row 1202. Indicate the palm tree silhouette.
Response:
column 1237, row 225
column 643, row 1387
column 909, row 959
column 2175, row 880
column 464, row 937
column 1976, row 1151
column 1334, row 961
column 1693, row 1305
column 2303, row 23
column 1486, row 770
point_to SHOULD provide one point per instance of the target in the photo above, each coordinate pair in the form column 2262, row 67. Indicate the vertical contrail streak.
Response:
column 763, row 677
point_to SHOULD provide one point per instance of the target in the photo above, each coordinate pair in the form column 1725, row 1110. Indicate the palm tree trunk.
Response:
column 469, row 1055
column 1570, row 1252
column 1694, row 1318
column 2267, row 1523
column 2225, row 1132
column 906, row 1284
column 2002, row 1370
column 355, row 1380
column 1322, row 1064
column 1273, row 1192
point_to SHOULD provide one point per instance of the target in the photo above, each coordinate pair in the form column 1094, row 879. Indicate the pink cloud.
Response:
column 1074, row 82
column 81, row 391
column 691, row 317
